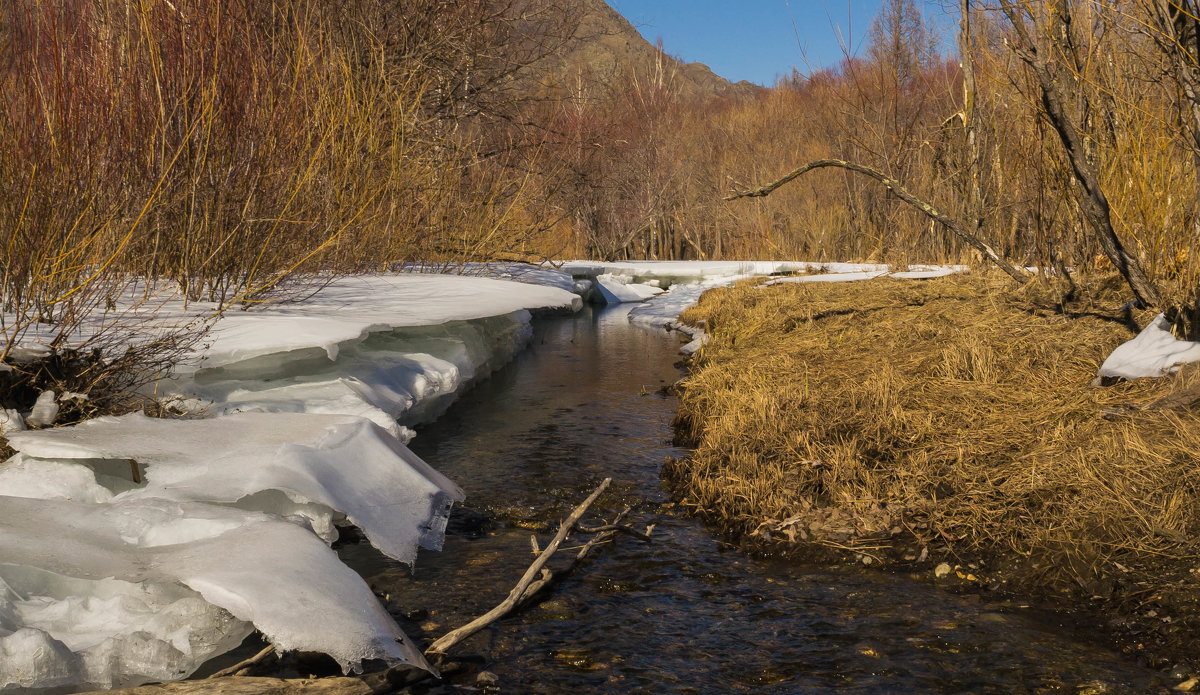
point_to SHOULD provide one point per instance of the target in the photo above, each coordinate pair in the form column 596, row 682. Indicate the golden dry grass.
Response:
column 954, row 414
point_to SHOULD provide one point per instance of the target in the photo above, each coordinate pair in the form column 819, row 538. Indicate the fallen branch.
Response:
column 903, row 194
column 603, row 533
column 243, row 665
column 617, row 528
column 457, row 635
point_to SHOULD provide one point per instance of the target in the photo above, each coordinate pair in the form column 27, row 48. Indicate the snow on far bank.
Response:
column 916, row 272
column 1152, row 353
column 675, row 272
column 664, row 310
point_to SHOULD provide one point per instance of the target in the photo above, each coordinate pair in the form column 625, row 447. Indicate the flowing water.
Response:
column 685, row 614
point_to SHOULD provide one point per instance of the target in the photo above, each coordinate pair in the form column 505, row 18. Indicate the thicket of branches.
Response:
column 221, row 147
column 976, row 137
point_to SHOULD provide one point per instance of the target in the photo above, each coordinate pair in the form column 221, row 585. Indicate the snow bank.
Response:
column 260, row 570
column 306, row 406
column 321, row 464
column 1152, row 353
column 339, row 313
column 517, row 272
column 348, row 310
column 396, row 378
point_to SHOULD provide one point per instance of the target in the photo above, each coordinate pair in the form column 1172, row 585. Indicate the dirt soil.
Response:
column 950, row 426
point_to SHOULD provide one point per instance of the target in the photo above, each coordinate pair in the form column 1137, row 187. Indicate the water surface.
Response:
column 686, row 614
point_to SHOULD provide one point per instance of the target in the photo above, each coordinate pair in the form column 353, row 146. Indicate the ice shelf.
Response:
column 258, row 569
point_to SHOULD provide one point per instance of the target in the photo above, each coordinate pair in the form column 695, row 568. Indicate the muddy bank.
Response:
column 948, row 426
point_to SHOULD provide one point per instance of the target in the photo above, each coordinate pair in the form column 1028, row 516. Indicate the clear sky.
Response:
column 759, row 40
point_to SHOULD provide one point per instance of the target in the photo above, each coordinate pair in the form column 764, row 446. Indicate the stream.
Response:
column 687, row 613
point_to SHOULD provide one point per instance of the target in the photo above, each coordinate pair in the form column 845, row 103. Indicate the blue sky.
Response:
column 758, row 40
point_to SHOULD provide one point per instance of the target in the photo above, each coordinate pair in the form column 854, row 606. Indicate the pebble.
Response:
column 1188, row 685
column 487, row 678
column 942, row 570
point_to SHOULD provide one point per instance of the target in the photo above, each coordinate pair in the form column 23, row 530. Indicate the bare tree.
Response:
column 1044, row 42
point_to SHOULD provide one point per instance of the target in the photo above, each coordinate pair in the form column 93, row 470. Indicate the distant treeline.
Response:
column 972, row 135
column 223, row 146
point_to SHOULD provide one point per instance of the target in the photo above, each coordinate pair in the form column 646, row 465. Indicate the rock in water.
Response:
column 941, row 570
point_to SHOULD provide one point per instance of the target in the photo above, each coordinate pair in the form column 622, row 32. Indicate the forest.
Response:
column 224, row 147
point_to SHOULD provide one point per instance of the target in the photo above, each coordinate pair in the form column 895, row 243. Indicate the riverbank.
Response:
column 182, row 535
column 947, row 426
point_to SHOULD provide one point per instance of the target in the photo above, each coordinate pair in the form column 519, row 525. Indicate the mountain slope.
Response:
column 609, row 48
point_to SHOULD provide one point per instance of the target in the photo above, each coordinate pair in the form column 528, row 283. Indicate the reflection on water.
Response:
column 685, row 614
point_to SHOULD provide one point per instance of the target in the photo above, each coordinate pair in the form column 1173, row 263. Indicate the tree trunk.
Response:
column 1093, row 201
column 974, row 198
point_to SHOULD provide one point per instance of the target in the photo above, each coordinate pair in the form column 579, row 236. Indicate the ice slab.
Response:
column 1152, row 353
column 341, row 463
column 262, row 571
column 614, row 290
column 58, row 631
column 398, row 378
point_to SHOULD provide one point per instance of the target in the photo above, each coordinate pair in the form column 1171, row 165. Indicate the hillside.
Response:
column 609, row 47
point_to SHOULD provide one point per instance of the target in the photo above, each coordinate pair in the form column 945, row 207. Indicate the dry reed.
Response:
column 953, row 414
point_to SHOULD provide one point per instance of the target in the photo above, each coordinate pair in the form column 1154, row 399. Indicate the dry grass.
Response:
column 953, row 414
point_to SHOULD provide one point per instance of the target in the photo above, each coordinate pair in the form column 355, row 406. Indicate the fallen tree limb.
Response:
column 903, row 194
column 616, row 528
column 603, row 533
column 445, row 642
column 242, row 665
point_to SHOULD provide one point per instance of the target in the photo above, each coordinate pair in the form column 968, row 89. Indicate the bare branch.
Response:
column 457, row 635
column 901, row 192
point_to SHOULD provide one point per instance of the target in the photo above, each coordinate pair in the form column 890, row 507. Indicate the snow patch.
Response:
column 1152, row 353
